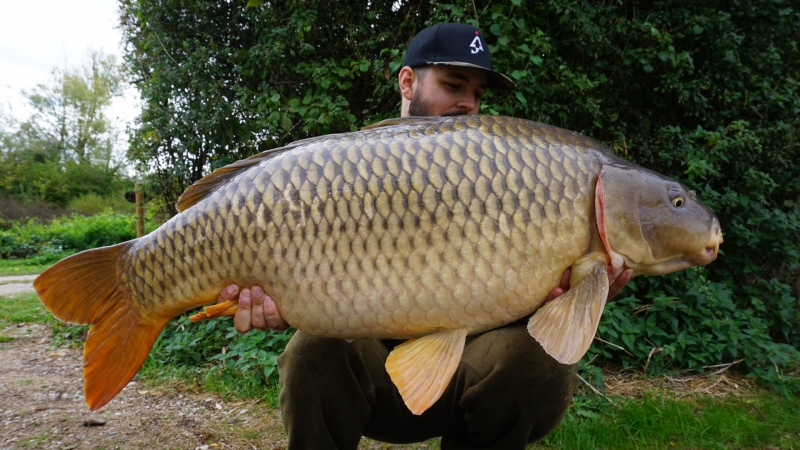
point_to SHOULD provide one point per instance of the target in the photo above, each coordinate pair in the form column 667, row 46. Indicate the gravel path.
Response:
column 16, row 284
column 17, row 278
column 42, row 406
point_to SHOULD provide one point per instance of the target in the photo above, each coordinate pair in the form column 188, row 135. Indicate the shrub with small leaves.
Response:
column 215, row 344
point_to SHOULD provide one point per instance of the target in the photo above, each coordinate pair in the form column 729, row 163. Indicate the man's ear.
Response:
column 406, row 80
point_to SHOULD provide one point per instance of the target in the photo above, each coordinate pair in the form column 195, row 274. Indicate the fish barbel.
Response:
column 428, row 229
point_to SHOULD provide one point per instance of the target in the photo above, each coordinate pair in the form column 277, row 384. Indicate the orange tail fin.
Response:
column 83, row 288
column 218, row 310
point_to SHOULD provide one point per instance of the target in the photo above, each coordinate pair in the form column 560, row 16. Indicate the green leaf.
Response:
column 520, row 97
column 286, row 124
column 254, row 3
column 517, row 74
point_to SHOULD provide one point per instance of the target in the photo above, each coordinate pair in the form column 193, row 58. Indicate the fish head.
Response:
column 651, row 223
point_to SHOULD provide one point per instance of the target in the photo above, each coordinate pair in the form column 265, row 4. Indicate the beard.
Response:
column 419, row 107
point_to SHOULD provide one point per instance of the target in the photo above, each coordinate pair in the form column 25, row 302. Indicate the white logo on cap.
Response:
column 476, row 45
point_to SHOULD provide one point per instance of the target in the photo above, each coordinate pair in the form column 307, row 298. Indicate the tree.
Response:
column 66, row 147
column 69, row 115
column 707, row 92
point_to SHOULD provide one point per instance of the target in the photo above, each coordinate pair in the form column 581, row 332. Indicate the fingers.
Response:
column 565, row 280
column 562, row 287
column 258, row 318
column 241, row 321
column 255, row 310
column 273, row 316
column 619, row 283
column 554, row 294
column 228, row 293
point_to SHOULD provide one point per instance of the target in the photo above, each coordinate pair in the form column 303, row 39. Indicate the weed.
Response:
column 36, row 440
column 68, row 335
column 213, row 355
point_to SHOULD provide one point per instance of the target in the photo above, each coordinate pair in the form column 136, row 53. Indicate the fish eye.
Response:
column 678, row 202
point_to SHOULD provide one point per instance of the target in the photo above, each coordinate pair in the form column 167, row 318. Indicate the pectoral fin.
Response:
column 565, row 327
column 422, row 368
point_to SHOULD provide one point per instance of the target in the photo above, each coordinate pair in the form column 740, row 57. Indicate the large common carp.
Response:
column 422, row 228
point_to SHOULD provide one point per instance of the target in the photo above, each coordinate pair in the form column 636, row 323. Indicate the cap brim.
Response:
column 496, row 80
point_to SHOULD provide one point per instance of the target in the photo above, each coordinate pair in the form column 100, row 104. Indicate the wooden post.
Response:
column 139, row 211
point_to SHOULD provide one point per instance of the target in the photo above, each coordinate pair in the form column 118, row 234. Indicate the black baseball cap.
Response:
column 454, row 44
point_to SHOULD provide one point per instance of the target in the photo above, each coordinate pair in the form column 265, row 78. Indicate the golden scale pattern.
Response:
column 392, row 232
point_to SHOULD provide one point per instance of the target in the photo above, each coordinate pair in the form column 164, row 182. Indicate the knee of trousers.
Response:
column 309, row 359
column 520, row 386
column 313, row 366
column 326, row 393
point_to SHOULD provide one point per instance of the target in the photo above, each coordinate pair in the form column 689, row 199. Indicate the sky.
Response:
column 37, row 36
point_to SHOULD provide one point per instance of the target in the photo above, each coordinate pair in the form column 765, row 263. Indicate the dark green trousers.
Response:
column 506, row 393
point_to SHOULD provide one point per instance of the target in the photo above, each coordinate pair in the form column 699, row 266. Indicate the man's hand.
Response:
column 255, row 309
column 615, row 285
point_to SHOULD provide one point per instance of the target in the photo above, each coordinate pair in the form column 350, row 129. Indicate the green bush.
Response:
column 214, row 344
column 66, row 235
column 91, row 204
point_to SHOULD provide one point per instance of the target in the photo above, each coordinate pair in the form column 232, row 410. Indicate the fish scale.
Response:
column 431, row 235
column 420, row 228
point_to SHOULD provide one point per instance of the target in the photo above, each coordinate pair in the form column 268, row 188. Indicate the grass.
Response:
column 26, row 308
column 28, row 266
column 660, row 421
column 20, row 308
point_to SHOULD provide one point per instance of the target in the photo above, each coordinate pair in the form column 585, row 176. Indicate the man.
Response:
column 506, row 392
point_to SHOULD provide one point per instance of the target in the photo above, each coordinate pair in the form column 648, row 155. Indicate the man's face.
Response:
column 447, row 91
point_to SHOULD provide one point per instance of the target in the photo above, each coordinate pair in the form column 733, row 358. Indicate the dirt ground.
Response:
column 42, row 406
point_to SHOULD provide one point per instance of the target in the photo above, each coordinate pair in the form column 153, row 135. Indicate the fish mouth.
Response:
column 704, row 256
column 711, row 250
column 665, row 267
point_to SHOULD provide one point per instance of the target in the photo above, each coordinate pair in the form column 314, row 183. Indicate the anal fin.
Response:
column 223, row 309
column 565, row 327
column 422, row 368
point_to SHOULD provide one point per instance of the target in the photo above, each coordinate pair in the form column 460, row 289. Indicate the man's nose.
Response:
column 466, row 103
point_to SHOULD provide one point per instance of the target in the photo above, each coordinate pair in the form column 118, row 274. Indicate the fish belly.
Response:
column 390, row 233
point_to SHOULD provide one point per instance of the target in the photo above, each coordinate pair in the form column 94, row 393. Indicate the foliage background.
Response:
column 706, row 92
column 65, row 151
